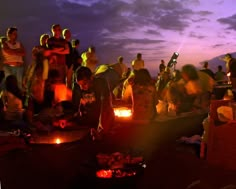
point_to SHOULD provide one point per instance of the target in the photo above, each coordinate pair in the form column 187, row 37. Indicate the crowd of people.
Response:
column 62, row 82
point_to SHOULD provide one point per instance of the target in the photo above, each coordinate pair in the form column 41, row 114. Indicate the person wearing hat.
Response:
column 231, row 68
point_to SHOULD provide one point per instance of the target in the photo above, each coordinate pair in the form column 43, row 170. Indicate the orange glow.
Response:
column 104, row 174
column 61, row 93
column 122, row 112
column 228, row 74
column 58, row 141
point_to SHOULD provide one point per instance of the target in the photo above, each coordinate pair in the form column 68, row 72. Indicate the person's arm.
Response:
column 45, row 69
column 132, row 64
column 127, row 95
column 61, row 50
column 19, row 51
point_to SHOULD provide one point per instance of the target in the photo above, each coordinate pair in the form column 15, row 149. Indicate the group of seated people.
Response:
column 90, row 102
column 172, row 93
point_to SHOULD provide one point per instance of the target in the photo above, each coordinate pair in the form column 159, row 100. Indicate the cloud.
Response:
column 218, row 45
column 204, row 13
column 230, row 21
column 153, row 32
column 196, row 35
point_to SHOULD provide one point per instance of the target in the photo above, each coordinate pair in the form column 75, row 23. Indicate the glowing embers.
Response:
column 104, row 173
column 119, row 165
column 116, row 173
column 58, row 141
column 123, row 112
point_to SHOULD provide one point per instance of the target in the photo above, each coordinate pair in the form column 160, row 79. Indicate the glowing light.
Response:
column 228, row 76
column 58, row 141
column 104, row 174
column 122, row 112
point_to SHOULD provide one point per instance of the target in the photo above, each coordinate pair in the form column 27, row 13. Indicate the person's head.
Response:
column 120, row 59
column 66, row 34
column 91, row 49
column 189, row 72
column 12, row 33
column 43, row 39
column 139, row 56
column 142, row 77
column 84, row 78
column 205, row 65
column 220, row 68
column 162, row 61
column 75, row 43
column 227, row 57
column 56, row 30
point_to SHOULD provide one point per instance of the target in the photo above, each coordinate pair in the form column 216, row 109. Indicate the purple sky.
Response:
column 198, row 29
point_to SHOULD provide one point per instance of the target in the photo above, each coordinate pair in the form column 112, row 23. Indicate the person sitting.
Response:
column 12, row 98
column 161, row 84
column 92, row 100
column 198, row 86
column 143, row 96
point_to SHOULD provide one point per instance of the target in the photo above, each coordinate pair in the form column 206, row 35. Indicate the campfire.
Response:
column 123, row 112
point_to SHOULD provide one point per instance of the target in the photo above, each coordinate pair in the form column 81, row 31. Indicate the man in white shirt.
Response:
column 138, row 63
column 13, row 53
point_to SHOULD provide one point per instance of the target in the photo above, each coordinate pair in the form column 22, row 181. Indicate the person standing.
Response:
column 138, row 63
column 220, row 75
column 59, row 49
column 13, row 53
column 207, row 70
column 231, row 68
column 90, row 59
column 162, row 66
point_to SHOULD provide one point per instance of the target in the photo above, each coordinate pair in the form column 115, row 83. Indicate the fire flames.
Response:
column 123, row 112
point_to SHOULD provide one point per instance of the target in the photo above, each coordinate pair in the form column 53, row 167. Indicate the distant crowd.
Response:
column 61, row 83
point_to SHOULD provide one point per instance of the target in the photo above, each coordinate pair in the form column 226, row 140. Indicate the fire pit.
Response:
column 57, row 136
column 118, row 165
column 123, row 112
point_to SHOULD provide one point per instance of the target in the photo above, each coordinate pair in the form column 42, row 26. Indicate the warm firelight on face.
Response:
column 123, row 112
column 58, row 141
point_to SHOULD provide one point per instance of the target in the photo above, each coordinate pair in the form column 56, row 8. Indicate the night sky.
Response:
column 198, row 29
